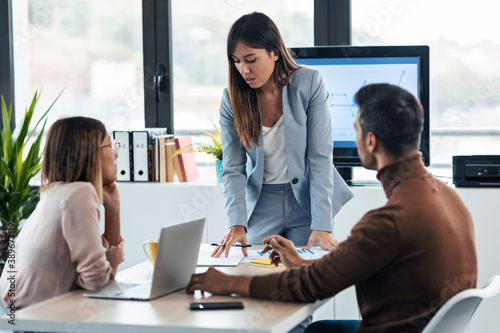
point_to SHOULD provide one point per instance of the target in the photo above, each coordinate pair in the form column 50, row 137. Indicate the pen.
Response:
column 236, row 245
column 268, row 245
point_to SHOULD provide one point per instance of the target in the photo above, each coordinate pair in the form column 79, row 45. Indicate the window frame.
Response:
column 157, row 53
column 332, row 22
column 7, row 59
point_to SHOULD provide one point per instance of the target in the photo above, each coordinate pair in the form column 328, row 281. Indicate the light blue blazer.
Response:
column 317, row 186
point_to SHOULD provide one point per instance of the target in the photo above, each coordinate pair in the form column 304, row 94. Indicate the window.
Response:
column 90, row 48
column 199, row 32
column 94, row 51
column 465, row 80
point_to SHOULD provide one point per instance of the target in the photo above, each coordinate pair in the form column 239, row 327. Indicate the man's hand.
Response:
column 218, row 283
column 323, row 238
column 233, row 235
column 283, row 251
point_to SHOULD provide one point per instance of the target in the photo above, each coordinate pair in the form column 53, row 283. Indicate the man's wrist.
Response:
column 239, row 284
column 307, row 262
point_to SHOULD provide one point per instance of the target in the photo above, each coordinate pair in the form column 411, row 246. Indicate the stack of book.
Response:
column 147, row 156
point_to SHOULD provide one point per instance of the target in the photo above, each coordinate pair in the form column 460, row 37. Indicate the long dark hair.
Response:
column 258, row 31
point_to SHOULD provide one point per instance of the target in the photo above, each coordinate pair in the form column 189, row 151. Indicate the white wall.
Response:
column 146, row 207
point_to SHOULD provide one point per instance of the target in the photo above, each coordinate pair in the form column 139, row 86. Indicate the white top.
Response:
column 275, row 168
column 61, row 246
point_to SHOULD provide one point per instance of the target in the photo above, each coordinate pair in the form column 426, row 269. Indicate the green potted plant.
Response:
column 20, row 161
column 214, row 148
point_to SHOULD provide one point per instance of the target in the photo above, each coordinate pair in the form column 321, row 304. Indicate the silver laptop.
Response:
column 175, row 262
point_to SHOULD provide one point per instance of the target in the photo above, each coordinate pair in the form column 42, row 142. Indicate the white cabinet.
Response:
column 147, row 207
column 484, row 206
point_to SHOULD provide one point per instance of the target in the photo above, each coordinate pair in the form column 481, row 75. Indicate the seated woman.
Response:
column 60, row 246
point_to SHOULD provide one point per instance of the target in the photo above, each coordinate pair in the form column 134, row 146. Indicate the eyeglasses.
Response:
column 115, row 146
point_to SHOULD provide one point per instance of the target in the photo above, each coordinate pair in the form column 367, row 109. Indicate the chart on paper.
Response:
column 315, row 252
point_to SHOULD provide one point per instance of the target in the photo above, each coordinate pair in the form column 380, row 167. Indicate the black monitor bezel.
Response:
column 348, row 157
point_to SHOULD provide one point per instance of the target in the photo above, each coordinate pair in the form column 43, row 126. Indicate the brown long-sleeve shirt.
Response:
column 406, row 259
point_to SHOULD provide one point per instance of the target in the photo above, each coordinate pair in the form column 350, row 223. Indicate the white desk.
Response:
column 72, row 312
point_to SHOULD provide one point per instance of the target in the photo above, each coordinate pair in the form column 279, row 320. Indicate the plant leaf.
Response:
column 18, row 198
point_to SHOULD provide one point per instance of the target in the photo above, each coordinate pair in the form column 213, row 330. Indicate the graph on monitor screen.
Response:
column 343, row 80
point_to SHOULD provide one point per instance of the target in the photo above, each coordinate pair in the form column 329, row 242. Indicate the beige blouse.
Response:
column 60, row 247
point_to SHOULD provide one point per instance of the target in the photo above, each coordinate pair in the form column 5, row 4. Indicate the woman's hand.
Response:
column 218, row 283
column 110, row 196
column 283, row 251
column 323, row 238
column 233, row 235
column 111, row 203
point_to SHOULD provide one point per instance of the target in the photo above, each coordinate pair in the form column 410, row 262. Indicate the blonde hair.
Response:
column 255, row 30
column 73, row 152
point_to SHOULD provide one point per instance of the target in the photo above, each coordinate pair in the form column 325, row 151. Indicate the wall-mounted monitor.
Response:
column 346, row 69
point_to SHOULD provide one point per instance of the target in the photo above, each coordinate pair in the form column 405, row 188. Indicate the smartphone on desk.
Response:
column 216, row 305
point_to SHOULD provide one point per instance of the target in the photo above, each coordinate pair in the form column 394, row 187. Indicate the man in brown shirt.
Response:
column 406, row 258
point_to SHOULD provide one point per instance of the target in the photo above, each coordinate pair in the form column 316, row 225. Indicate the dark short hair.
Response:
column 393, row 114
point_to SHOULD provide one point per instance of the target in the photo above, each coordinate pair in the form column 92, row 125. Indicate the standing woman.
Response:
column 60, row 246
column 277, row 169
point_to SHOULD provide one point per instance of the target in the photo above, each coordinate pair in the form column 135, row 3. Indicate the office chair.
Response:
column 454, row 315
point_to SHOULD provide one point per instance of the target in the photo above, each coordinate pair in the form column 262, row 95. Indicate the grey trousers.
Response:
column 277, row 212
